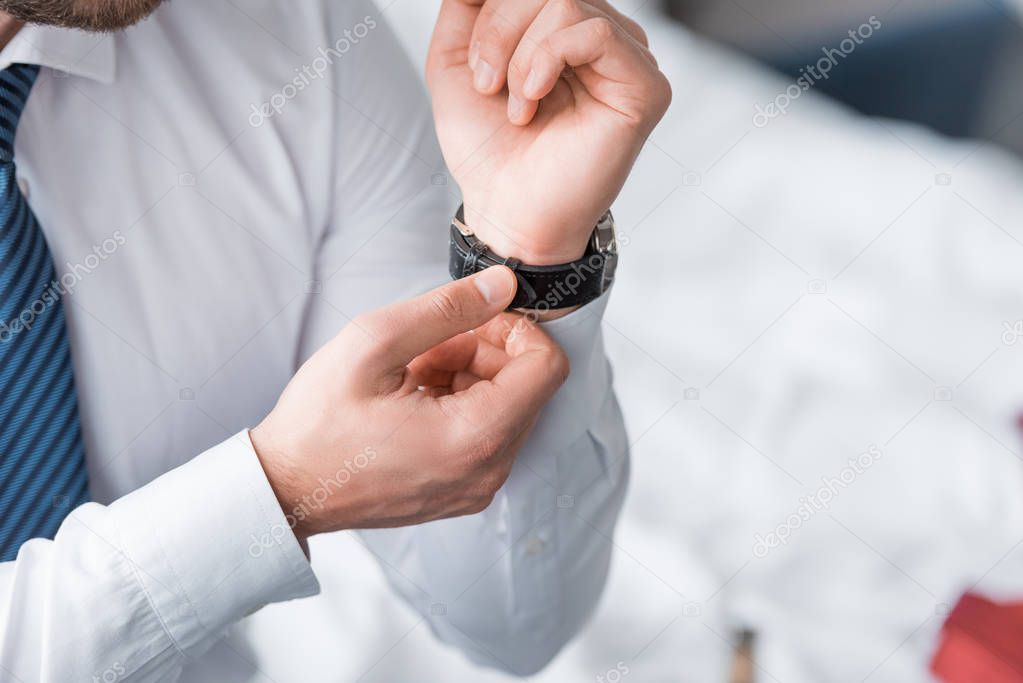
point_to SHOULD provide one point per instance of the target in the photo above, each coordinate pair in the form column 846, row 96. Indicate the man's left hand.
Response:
column 542, row 107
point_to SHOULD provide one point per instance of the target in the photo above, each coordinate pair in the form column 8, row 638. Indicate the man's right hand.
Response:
column 412, row 413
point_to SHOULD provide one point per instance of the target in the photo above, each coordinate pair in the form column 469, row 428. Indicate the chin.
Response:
column 88, row 15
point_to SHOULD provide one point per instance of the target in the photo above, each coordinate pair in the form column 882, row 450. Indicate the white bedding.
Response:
column 733, row 237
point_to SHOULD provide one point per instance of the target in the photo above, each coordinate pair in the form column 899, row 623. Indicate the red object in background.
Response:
column 981, row 642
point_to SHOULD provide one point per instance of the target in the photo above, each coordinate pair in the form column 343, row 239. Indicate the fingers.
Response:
column 467, row 353
column 536, row 369
column 437, row 367
column 609, row 64
column 499, row 29
column 499, row 330
column 500, row 39
column 392, row 337
column 553, row 17
column 502, row 25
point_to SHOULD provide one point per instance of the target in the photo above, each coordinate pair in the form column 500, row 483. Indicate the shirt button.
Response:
column 23, row 186
column 535, row 546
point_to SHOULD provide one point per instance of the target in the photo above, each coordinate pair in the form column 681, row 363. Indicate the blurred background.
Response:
column 942, row 63
column 815, row 338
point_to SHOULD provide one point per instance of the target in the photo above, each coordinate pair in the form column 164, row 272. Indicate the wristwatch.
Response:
column 542, row 287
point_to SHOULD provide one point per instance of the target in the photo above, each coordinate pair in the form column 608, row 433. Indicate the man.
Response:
column 223, row 187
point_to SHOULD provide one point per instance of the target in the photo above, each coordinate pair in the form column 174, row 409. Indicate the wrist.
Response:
column 554, row 279
column 282, row 481
column 533, row 242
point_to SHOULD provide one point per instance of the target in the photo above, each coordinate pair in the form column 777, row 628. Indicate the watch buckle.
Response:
column 459, row 222
column 604, row 239
column 605, row 243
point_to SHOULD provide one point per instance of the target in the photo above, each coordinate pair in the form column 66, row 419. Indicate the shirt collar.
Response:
column 79, row 53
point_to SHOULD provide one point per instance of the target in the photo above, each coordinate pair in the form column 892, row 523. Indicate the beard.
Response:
column 88, row 15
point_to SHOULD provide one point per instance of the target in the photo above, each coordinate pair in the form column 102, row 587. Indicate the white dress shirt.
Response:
column 224, row 187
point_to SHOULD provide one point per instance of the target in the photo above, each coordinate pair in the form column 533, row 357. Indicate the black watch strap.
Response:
column 542, row 287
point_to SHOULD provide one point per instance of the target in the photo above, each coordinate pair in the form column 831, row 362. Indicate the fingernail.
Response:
column 495, row 284
column 485, row 76
column 532, row 84
column 474, row 54
column 515, row 107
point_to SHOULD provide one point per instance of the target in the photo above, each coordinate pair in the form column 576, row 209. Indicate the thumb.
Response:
column 402, row 331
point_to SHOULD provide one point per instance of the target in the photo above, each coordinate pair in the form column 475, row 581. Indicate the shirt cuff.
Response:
column 576, row 405
column 209, row 543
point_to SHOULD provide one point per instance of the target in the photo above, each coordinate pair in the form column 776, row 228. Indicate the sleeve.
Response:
column 509, row 586
column 116, row 597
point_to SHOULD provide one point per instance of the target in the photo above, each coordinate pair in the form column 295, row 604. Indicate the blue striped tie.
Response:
column 42, row 460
